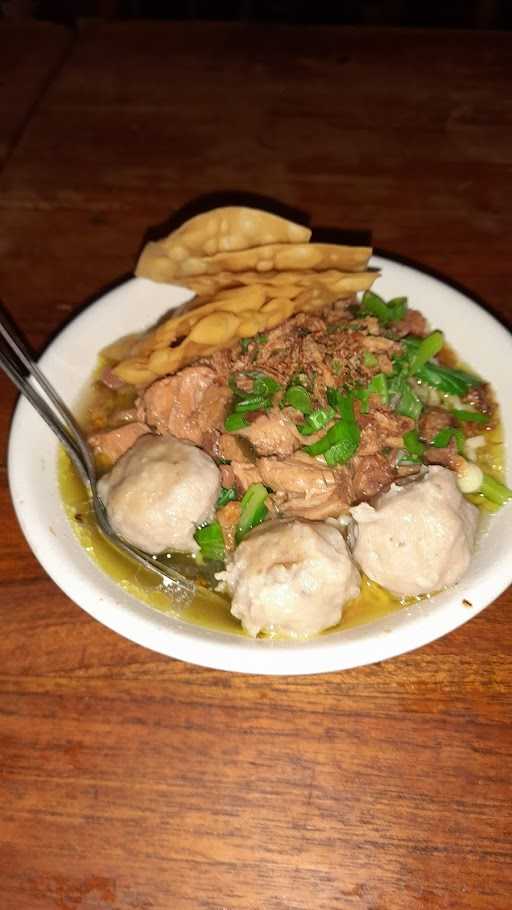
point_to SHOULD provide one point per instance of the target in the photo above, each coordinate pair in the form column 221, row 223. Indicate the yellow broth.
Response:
column 491, row 458
column 207, row 609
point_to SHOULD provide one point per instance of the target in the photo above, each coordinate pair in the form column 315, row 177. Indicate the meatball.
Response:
column 291, row 578
column 418, row 538
column 159, row 492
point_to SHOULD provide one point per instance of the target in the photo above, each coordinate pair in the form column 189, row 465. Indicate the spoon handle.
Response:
column 21, row 369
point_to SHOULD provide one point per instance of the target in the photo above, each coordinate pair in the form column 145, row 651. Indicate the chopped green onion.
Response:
column 428, row 348
column 299, row 398
column 252, row 403
column 262, row 385
column 336, row 455
column 407, row 458
column 332, row 396
column 318, row 448
column 458, row 435
column 252, row 509
column 446, row 379
column 443, row 438
column 259, row 398
column 398, row 307
column 346, row 408
column 344, row 436
column 450, row 380
column 495, row 491
column 343, row 403
column 406, row 402
column 378, row 385
column 369, row 359
column 436, row 377
column 235, row 422
column 396, row 382
column 348, row 437
column 342, row 440
column 316, row 421
column 471, row 416
column 413, row 443
column 227, row 494
column 374, row 305
column 256, row 339
column 336, row 366
column 400, row 371
column 363, row 396
column 211, row 541
column 463, row 375
column 306, row 429
column 409, row 405
column 411, row 343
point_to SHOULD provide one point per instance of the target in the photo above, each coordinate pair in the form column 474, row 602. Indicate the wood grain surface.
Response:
column 133, row 782
column 30, row 57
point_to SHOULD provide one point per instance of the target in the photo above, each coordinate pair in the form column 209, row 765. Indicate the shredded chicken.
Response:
column 298, row 474
column 447, row 456
column 273, row 434
column 189, row 405
column 382, row 428
column 244, row 474
column 371, row 475
column 335, row 349
column 111, row 444
column 234, row 448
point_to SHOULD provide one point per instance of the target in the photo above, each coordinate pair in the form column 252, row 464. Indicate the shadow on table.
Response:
column 235, row 197
column 467, row 14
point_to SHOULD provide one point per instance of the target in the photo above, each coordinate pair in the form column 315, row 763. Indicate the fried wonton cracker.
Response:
column 221, row 230
column 210, row 285
column 168, row 349
column 251, row 271
column 157, row 265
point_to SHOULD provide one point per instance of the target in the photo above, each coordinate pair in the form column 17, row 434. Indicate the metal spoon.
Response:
column 18, row 365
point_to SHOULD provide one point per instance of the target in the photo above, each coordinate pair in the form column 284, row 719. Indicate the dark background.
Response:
column 493, row 14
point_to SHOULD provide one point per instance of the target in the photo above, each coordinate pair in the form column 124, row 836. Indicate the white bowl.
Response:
column 69, row 361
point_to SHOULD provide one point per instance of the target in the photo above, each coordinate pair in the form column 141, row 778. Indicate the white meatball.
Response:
column 158, row 493
column 419, row 537
column 291, row 578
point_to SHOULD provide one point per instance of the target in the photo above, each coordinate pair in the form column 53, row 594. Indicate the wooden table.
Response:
column 134, row 782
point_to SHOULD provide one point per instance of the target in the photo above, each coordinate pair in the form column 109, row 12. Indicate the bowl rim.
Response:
column 62, row 557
